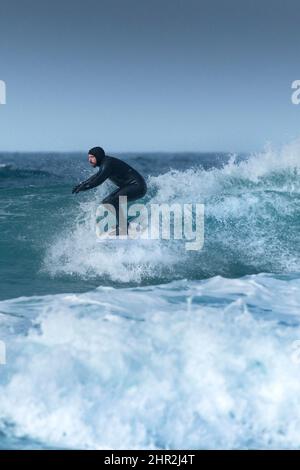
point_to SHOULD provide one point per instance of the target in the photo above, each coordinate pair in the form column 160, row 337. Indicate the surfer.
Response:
column 129, row 182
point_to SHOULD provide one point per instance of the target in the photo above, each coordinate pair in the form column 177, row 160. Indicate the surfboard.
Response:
column 135, row 232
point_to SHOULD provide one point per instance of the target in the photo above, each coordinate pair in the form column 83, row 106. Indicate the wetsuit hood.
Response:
column 99, row 153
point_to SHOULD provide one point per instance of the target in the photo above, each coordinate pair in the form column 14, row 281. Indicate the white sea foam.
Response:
column 186, row 365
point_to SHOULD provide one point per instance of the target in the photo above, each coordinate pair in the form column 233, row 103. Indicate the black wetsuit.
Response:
column 130, row 183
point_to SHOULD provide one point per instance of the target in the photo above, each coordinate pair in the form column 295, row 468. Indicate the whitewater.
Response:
column 149, row 345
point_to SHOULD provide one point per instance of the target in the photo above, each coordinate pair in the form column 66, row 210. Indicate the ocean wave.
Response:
column 10, row 171
column 252, row 225
column 208, row 364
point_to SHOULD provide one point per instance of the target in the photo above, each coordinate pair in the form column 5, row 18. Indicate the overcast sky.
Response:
column 134, row 75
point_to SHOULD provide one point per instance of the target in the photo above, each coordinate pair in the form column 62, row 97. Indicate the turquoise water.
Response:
column 149, row 345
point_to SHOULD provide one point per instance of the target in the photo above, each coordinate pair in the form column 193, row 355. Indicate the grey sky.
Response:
column 148, row 75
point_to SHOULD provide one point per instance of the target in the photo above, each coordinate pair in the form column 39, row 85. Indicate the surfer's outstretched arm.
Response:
column 94, row 180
